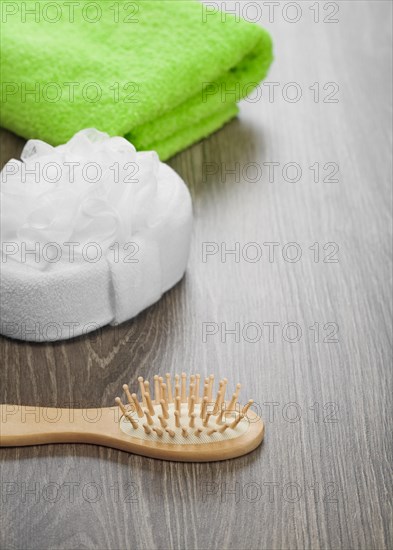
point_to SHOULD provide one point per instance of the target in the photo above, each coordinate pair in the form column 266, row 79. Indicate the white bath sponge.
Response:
column 92, row 233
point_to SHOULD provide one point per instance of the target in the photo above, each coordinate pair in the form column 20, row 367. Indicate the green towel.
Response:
column 162, row 73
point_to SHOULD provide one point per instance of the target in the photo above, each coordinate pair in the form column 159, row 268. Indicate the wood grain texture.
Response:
column 322, row 478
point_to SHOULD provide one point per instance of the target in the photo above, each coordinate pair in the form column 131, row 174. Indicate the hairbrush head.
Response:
column 191, row 427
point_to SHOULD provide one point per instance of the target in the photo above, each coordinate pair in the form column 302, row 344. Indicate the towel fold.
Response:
column 162, row 73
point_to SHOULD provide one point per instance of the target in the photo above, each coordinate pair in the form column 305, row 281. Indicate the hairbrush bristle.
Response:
column 182, row 414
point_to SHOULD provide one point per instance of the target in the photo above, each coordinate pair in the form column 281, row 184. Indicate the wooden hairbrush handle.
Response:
column 28, row 425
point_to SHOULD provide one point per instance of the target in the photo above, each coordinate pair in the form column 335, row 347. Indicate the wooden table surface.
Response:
column 310, row 338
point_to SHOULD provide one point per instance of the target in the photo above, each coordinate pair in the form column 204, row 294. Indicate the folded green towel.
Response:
column 162, row 73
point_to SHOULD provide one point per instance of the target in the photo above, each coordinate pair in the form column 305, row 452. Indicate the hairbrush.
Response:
column 185, row 421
